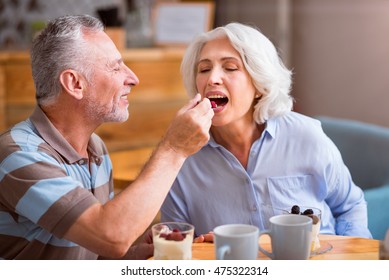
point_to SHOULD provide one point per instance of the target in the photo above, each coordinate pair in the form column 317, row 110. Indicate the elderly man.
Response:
column 56, row 188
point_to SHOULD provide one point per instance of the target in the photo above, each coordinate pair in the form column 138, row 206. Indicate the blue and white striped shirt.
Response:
column 45, row 185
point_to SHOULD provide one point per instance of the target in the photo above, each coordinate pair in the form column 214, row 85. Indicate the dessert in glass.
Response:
column 315, row 215
column 172, row 241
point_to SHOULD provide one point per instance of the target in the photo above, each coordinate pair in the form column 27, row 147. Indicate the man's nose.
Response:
column 132, row 78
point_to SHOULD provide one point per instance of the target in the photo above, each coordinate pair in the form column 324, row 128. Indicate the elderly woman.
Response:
column 260, row 151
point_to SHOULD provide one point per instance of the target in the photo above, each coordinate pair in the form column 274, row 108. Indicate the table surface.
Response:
column 343, row 248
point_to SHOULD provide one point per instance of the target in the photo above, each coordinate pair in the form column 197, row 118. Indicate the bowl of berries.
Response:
column 172, row 241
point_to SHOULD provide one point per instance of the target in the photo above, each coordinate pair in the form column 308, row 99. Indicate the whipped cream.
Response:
column 173, row 250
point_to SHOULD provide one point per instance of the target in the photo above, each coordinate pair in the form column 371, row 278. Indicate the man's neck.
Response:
column 73, row 128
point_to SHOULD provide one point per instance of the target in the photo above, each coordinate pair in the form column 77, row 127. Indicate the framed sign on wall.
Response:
column 177, row 23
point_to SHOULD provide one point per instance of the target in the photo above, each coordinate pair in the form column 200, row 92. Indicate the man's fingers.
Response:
column 192, row 103
column 204, row 105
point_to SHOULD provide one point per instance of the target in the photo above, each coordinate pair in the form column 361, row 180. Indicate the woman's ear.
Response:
column 72, row 83
column 258, row 95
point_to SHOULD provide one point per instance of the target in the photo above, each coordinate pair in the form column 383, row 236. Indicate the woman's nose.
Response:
column 215, row 77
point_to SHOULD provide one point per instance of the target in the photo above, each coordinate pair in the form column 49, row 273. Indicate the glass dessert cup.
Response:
column 315, row 214
column 172, row 241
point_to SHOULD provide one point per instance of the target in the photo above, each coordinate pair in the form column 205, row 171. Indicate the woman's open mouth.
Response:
column 218, row 100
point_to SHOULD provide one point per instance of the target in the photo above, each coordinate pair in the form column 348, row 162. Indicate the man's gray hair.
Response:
column 58, row 47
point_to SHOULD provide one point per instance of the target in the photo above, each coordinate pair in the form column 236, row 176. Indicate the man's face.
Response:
column 111, row 82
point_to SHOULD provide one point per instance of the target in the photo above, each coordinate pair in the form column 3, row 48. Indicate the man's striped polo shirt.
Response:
column 45, row 185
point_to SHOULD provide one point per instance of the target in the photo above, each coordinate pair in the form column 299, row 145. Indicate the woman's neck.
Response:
column 238, row 139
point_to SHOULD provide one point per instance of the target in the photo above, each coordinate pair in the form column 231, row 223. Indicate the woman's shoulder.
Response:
column 299, row 118
column 298, row 121
column 301, row 128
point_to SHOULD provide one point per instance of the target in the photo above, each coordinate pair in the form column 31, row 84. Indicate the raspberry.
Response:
column 176, row 236
column 213, row 104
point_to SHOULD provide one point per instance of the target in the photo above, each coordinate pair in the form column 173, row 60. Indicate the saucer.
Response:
column 324, row 248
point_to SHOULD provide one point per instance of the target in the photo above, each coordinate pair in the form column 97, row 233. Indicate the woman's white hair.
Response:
column 270, row 76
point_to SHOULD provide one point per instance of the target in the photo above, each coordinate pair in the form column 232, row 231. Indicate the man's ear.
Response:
column 72, row 83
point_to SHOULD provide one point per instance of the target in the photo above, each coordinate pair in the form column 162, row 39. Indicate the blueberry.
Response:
column 295, row 209
column 308, row 212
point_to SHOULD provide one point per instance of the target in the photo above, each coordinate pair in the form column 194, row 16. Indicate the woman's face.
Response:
column 222, row 77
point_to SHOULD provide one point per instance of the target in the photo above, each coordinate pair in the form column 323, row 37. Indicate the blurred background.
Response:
column 338, row 49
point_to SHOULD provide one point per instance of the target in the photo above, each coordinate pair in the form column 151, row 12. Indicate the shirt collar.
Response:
column 271, row 126
column 270, row 129
column 55, row 139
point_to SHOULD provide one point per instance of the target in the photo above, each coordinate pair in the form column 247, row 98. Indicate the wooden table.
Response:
column 343, row 248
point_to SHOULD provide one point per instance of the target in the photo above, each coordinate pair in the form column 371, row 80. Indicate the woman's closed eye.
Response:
column 204, row 70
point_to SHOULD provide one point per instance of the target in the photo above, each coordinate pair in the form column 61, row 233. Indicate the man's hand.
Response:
column 189, row 130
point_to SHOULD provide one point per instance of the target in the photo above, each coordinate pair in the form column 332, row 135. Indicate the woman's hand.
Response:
column 208, row 237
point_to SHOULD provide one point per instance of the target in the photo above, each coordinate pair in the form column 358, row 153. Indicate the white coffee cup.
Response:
column 236, row 242
column 290, row 236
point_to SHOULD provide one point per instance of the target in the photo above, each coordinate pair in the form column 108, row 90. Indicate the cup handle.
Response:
column 222, row 251
column 267, row 253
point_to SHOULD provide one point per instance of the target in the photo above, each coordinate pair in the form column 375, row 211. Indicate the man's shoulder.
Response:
column 21, row 134
column 19, row 142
